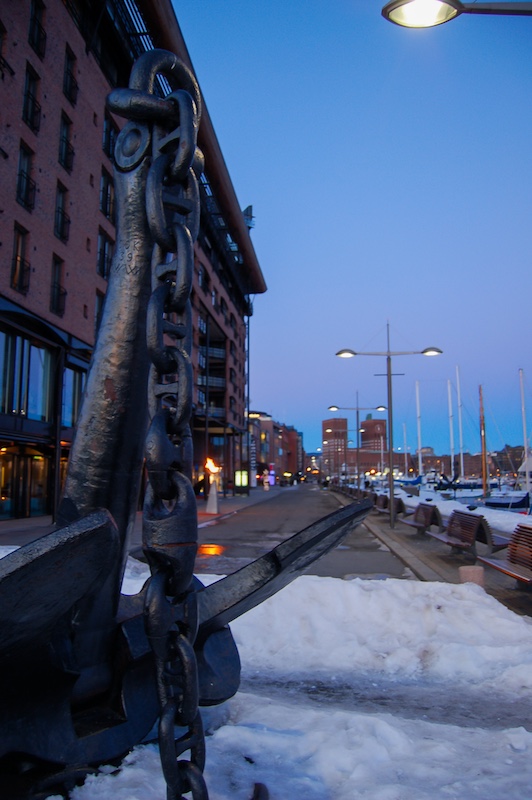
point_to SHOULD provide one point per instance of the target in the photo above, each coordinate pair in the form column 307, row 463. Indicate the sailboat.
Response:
column 517, row 499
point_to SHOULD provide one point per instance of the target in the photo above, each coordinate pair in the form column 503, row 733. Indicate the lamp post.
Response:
column 358, row 409
column 428, row 351
column 428, row 13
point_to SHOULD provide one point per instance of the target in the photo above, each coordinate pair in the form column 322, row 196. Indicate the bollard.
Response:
column 471, row 574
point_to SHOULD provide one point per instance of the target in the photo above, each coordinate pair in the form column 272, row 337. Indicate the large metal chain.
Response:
column 170, row 515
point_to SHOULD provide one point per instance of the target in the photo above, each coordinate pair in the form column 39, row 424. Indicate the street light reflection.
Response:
column 210, row 549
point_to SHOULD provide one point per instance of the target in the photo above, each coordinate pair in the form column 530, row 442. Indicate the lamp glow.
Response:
column 421, row 13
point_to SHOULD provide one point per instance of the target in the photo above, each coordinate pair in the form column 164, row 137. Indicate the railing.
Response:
column 4, row 66
column 66, row 154
column 58, row 299
column 216, row 412
column 20, row 274
column 214, row 352
column 107, row 204
column 37, row 37
column 26, row 190
column 212, row 381
column 70, row 87
column 31, row 112
column 104, row 263
column 62, row 224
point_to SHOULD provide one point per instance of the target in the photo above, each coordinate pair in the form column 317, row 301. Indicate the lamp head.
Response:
column 346, row 353
column 421, row 13
column 380, row 408
column 333, row 408
column 431, row 351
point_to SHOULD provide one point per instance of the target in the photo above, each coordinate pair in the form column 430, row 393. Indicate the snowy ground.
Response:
column 388, row 690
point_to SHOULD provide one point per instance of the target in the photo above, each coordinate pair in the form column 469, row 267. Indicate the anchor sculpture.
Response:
column 86, row 672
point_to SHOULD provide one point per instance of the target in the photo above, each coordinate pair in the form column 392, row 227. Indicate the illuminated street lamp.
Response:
column 428, row 351
column 428, row 13
column 358, row 409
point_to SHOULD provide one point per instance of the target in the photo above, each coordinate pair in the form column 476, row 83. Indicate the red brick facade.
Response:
column 58, row 62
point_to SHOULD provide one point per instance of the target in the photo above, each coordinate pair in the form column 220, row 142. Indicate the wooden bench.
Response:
column 424, row 516
column 518, row 559
column 465, row 530
column 381, row 504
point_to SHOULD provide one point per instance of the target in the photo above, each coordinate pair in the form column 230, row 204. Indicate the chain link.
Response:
column 164, row 130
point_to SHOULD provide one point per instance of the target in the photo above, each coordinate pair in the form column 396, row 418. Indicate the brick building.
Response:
column 278, row 448
column 340, row 458
column 58, row 62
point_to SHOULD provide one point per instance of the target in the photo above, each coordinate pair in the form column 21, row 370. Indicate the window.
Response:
column 66, row 151
column 62, row 220
column 70, row 84
column 105, row 254
column 223, row 308
column 98, row 310
column 203, row 278
column 107, row 196
column 20, row 268
column 4, row 66
column 25, row 184
column 37, row 34
column 57, row 290
column 25, row 378
column 31, row 109
column 110, row 133
column 73, row 385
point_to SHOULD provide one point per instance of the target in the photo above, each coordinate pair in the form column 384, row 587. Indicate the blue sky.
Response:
column 390, row 173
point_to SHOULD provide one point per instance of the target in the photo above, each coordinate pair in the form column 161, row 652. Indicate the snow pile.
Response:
column 452, row 641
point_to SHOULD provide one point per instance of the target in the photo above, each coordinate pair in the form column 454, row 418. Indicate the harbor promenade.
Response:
column 373, row 550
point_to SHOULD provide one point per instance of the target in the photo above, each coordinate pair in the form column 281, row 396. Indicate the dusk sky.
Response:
column 390, row 174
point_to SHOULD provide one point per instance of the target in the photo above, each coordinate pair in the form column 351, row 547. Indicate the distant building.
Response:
column 58, row 62
column 279, row 448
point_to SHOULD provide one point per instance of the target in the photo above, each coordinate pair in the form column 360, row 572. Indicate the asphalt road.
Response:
column 232, row 542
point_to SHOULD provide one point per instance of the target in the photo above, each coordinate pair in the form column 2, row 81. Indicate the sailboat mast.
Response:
column 451, row 426
column 419, row 452
column 483, row 445
column 525, row 435
column 460, row 431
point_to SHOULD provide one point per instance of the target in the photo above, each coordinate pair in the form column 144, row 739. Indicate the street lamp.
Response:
column 428, row 13
column 428, row 351
column 358, row 409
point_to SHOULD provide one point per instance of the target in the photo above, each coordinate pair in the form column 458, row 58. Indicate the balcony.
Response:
column 215, row 412
column 37, row 37
column 20, row 275
column 107, row 205
column 31, row 112
column 217, row 353
column 26, row 191
column 62, row 224
column 70, row 87
column 66, row 154
column 58, row 299
column 212, row 381
column 104, row 263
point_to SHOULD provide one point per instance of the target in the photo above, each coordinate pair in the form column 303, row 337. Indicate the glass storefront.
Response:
column 24, row 475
